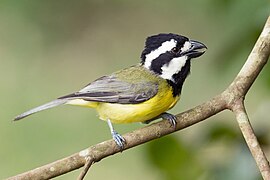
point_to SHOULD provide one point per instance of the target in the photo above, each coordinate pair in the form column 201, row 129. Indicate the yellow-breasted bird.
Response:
column 140, row 93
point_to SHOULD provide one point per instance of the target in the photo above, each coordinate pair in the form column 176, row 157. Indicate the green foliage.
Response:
column 173, row 158
column 222, row 131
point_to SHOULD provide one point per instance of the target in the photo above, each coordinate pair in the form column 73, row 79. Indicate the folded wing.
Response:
column 112, row 90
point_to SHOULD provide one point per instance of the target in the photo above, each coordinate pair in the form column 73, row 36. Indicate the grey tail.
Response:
column 48, row 105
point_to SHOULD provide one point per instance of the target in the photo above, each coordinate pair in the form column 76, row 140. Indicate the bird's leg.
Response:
column 120, row 141
column 150, row 120
column 170, row 117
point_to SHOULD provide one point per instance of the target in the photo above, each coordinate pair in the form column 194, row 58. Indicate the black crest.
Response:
column 155, row 41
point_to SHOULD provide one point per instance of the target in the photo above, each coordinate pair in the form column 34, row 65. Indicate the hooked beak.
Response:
column 196, row 50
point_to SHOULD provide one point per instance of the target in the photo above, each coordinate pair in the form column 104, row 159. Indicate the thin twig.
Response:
column 89, row 162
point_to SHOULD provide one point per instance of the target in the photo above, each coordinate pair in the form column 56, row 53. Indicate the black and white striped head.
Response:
column 169, row 55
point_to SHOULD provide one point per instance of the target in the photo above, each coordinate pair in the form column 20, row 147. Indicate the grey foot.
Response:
column 170, row 117
column 120, row 141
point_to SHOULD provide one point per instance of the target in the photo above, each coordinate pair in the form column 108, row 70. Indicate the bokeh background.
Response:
column 52, row 48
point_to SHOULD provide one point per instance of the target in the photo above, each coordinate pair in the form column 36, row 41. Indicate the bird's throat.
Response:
column 178, row 79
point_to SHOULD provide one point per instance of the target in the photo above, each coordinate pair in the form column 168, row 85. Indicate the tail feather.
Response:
column 48, row 105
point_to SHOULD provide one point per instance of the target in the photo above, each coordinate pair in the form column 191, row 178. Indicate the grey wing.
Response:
column 112, row 90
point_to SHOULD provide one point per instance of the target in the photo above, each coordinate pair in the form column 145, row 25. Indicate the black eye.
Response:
column 174, row 50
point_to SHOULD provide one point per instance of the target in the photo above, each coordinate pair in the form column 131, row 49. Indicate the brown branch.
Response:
column 229, row 99
column 240, row 86
column 87, row 165
column 137, row 137
column 251, row 139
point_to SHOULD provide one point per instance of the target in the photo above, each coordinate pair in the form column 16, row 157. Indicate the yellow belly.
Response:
column 128, row 113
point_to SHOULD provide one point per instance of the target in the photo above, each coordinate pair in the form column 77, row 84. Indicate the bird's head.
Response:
column 169, row 55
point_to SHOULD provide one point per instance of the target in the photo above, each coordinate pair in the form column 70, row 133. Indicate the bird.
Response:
column 140, row 93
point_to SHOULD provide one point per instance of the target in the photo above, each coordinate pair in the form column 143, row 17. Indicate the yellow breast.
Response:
column 128, row 113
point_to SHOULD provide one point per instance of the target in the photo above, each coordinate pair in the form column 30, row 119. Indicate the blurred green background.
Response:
column 52, row 48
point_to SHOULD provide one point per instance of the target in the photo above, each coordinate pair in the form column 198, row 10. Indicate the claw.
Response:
column 171, row 118
column 120, row 141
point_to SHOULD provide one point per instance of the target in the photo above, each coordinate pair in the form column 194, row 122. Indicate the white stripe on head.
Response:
column 173, row 67
column 186, row 46
column 166, row 46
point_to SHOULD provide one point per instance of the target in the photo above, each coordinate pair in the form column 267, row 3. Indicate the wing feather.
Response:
column 114, row 90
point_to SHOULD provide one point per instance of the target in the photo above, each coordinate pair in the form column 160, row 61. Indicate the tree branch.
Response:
column 229, row 99
column 251, row 139
column 87, row 165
